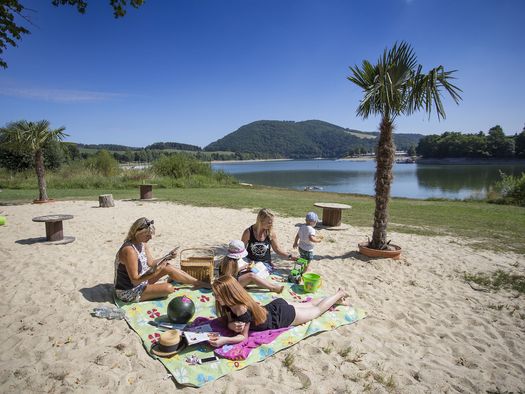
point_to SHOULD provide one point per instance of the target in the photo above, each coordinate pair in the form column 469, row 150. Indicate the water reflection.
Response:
column 463, row 180
column 410, row 180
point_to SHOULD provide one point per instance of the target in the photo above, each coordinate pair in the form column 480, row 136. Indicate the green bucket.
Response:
column 311, row 282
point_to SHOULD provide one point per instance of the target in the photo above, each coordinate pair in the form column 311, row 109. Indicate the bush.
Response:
column 181, row 165
column 104, row 163
column 511, row 189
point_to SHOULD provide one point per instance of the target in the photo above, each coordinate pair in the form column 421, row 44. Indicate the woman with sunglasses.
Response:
column 137, row 272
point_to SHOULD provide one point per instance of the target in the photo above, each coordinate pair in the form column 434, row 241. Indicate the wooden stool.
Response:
column 332, row 213
column 146, row 192
column 54, row 229
column 106, row 201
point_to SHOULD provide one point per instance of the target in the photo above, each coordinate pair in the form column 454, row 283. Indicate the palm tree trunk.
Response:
column 40, row 174
column 384, row 162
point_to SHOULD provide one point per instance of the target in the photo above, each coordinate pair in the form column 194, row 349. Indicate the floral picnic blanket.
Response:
column 138, row 316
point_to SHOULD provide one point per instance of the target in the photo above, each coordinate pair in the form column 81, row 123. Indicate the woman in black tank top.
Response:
column 260, row 239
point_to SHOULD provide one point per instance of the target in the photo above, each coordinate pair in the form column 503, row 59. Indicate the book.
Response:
column 257, row 268
column 200, row 334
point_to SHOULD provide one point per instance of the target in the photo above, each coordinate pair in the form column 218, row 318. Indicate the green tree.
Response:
column 411, row 151
column 11, row 32
column 520, row 144
column 31, row 137
column 498, row 144
column 392, row 87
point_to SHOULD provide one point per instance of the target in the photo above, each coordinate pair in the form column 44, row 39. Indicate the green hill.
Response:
column 308, row 139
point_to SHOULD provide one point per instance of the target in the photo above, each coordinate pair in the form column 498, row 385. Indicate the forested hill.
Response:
column 156, row 145
column 308, row 139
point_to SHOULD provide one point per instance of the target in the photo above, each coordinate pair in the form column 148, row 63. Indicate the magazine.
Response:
column 200, row 334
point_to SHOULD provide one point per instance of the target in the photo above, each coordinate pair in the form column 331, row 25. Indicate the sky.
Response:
column 192, row 71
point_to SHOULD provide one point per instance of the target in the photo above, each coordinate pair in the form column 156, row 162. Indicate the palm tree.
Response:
column 396, row 86
column 30, row 137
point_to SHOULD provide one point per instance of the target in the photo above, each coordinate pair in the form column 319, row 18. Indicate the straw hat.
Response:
column 170, row 342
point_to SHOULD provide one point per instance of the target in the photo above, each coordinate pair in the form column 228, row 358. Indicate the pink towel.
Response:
column 239, row 351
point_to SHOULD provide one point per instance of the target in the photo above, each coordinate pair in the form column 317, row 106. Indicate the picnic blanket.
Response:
column 139, row 314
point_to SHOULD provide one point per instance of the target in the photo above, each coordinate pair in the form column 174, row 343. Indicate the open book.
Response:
column 167, row 256
column 200, row 334
column 257, row 268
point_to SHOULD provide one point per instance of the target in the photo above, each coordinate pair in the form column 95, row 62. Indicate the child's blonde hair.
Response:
column 228, row 266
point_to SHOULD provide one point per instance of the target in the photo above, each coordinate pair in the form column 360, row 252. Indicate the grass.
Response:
column 485, row 226
column 498, row 280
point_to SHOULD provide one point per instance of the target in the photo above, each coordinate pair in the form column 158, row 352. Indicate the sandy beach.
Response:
column 428, row 331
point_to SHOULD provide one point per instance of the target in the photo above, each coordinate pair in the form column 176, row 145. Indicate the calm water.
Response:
column 343, row 176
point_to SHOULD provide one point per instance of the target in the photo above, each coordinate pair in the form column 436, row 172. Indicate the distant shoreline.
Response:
column 465, row 160
column 449, row 160
column 246, row 161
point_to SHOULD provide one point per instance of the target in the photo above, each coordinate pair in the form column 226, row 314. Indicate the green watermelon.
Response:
column 181, row 310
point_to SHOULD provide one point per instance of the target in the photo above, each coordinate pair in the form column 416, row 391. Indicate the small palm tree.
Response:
column 392, row 87
column 30, row 137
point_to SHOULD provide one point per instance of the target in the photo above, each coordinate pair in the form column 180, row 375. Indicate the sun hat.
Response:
column 312, row 217
column 170, row 342
column 236, row 249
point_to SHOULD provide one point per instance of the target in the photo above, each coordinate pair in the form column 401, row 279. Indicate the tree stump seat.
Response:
column 106, row 201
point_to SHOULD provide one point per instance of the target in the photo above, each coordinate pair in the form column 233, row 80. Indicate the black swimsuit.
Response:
column 280, row 315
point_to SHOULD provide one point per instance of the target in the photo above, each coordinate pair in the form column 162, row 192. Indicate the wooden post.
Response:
column 332, row 216
column 106, row 201
column 54, row 231
column 146, row 192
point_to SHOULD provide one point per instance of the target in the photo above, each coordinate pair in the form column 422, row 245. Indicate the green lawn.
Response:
column 488, row 226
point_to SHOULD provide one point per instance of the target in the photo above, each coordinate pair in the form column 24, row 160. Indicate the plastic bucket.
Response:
column 311, row 282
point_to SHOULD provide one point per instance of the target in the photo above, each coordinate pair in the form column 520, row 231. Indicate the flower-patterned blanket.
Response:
column 138, row 316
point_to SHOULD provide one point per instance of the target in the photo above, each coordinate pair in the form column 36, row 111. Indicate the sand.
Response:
column 427, row 330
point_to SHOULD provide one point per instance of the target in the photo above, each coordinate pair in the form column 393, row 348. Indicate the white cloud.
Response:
column 60, row 95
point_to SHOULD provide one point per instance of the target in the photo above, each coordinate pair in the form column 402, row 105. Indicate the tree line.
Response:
column 494, row 144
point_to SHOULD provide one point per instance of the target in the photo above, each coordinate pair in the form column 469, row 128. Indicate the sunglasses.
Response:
column 147, row 224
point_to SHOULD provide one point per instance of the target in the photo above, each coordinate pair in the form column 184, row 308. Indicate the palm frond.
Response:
column 397, row 85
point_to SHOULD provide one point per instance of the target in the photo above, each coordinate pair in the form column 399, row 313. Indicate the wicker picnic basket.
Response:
column 198, row 262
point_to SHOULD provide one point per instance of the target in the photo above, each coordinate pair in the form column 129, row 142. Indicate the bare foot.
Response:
column 278, row 289
column 343, row 300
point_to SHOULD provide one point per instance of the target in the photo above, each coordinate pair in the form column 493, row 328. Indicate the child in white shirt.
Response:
column 306, row 237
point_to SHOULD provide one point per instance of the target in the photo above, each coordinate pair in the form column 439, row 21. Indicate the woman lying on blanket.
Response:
column 137, row 273
column 230, row 265
column 243, row 314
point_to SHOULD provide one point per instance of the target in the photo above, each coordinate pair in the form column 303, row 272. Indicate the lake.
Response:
column 452, row 181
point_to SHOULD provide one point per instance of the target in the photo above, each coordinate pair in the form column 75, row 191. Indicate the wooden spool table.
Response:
column 332, row 213
column 146, row 192
column 54, row 228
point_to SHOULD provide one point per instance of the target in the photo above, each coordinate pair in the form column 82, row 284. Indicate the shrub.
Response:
column 511, row 189
column 104, row 163
column 181, row 165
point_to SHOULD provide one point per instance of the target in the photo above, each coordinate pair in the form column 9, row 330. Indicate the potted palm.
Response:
column 395, row 86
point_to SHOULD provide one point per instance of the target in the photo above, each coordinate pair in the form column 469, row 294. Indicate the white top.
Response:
column 304, row 237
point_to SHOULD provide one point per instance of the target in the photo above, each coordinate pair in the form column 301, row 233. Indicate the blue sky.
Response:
column 193, row 71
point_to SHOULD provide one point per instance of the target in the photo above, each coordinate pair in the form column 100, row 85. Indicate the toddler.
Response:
column 306, row 237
